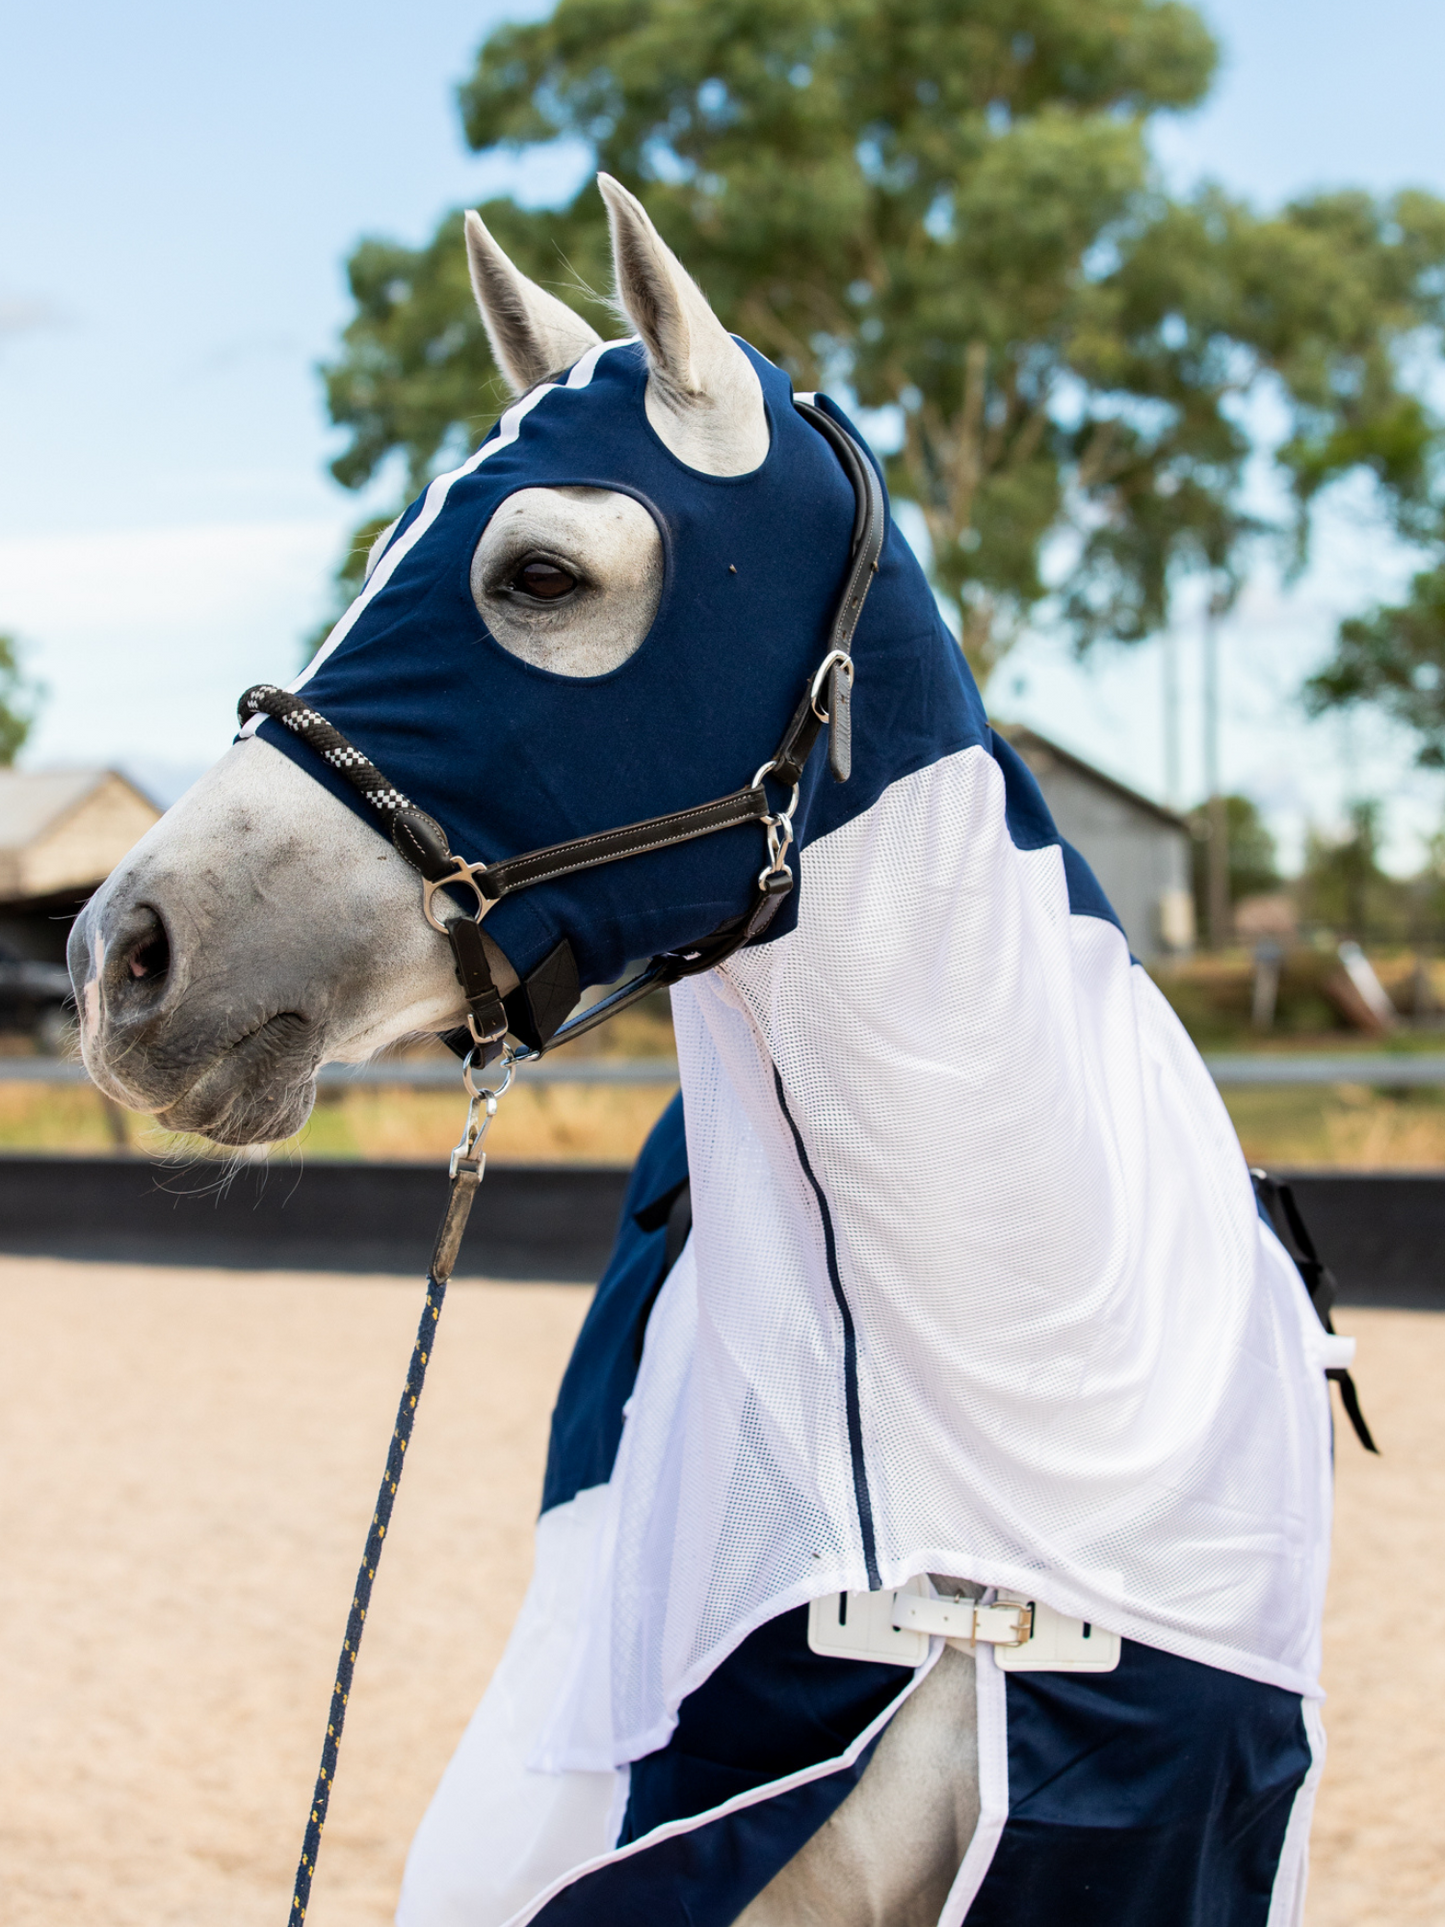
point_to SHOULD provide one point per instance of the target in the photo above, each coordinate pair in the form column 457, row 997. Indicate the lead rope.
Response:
column 467, row 1165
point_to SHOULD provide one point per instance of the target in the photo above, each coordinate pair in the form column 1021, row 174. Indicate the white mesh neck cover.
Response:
column 1083, row 1366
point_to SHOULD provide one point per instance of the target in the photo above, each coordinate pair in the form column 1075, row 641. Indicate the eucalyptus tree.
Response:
column 948, row 208
column 1394, row 659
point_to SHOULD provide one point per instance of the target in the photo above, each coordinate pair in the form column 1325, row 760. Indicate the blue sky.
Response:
column 181, row 186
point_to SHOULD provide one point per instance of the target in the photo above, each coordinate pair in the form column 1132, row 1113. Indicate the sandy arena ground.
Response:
column 190, row 1459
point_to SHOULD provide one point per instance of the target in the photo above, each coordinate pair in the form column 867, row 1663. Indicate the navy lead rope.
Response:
column 361, row 1598
column 468, row 1163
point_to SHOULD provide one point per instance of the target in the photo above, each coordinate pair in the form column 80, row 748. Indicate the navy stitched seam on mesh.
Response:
column 850, row 1352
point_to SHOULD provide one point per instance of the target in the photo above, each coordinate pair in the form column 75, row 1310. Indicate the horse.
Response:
column 938, row 1502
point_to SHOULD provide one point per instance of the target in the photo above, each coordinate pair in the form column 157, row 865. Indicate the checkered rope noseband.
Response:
column 266, row 698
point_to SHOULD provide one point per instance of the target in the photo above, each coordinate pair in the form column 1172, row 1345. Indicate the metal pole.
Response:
column 1217, row 851
column 1173, row 749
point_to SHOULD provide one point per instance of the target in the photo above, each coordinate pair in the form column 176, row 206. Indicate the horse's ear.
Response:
column 703, row 394
column 533, row 334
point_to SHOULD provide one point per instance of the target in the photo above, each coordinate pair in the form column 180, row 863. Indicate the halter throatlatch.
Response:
column 535, row 1012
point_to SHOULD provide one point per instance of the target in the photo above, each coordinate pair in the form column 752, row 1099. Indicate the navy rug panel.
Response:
column 1157, row 1793
column 706, row 1877
column 587, row 1421
column 772, row 1708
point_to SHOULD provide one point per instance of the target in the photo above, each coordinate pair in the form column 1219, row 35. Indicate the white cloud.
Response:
column 146, row 638
column 26, row 314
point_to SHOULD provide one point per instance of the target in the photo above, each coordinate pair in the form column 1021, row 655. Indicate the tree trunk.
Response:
column 1217, row 852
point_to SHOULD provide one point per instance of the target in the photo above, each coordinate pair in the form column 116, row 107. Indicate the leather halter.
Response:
column 535, row 1010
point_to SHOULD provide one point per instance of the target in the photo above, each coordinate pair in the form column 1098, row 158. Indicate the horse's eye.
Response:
column 544, row 580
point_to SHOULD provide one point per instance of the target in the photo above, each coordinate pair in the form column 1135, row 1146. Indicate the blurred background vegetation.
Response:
column 1099, row 395
column 947, row 211
column 19, row 696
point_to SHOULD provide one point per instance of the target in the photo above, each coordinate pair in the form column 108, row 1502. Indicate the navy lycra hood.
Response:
column 509, row 757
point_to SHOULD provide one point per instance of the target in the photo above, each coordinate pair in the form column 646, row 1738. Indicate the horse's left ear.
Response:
column 533, row 334
column 703, row 394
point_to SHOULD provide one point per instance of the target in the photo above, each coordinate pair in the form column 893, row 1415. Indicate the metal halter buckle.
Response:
column 844, row 661
column 485, row 1041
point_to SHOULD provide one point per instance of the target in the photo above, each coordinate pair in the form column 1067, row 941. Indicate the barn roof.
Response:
column 1027, row 741
column 66, row 828
column 32, row 800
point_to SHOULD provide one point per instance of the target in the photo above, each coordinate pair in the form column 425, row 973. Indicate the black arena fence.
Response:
column 1382, row 1233
column 542, row 1221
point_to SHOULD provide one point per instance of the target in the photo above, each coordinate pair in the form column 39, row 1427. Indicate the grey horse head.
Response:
column 262, row 928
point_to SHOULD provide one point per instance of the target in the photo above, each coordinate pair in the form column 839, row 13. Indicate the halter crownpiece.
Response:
column 535, row 1011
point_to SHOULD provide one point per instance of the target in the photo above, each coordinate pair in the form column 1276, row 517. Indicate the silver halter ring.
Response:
column 465, row 874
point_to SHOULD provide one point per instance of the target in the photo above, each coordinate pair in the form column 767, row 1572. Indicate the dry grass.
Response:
column 539, row 1123
column 1370, row 1132
column 59, row 1117
column 1345, row 1125
column 535, row 1123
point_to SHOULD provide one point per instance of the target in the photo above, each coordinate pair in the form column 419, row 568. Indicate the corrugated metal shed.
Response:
column 1139, row 851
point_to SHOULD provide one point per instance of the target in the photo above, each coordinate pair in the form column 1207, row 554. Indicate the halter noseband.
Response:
column 535, row 1010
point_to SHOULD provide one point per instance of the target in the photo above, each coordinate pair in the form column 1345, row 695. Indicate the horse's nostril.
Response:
column 150, row 957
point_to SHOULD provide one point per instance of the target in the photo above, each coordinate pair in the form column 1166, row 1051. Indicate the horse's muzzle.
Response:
column 156, row 1041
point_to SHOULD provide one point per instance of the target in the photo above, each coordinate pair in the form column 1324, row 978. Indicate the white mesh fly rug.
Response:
column 977, row 1286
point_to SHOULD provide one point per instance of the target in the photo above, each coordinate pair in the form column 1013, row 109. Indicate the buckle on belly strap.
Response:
column 1004, row 1623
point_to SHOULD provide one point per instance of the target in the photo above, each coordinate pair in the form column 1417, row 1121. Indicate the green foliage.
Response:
column 1253, row 857
column 948, row 205
column 1394, row 658
column 1343, row 886
column 1425, row 894
column 1323, row 305
column 18, row 698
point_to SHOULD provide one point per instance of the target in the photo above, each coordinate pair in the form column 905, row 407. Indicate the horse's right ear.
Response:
column 703, row 395
column 533, row 334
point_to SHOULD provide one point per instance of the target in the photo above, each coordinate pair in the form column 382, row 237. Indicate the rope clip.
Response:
column 778, row 827
column 468, row 1154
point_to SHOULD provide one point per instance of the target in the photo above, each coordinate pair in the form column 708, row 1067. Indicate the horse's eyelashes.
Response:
column 547, row 581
